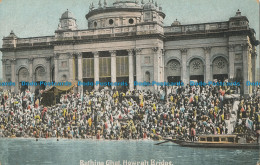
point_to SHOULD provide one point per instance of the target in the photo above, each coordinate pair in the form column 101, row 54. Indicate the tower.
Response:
column 67, row 21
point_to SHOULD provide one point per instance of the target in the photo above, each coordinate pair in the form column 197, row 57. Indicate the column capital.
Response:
column 79, row 54
column 183, row 50
column 244, row 46
column 231, row 47
column 70, row 54
column 56, row 55
column 113, row 53
column 130, row 52
column 207, row 49
column 13, row 61
column 30, row 60
column 48, row 59
column 155, row 49
column 4, row 60
column 138, row 51
column 96, row 54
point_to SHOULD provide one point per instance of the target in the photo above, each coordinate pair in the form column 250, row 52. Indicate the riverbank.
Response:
column 71, row 152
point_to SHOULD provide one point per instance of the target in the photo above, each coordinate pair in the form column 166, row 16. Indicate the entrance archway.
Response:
column 23, row 76
column 196, row 70
column 173, row 71
column 40, row 76
column 220, row 69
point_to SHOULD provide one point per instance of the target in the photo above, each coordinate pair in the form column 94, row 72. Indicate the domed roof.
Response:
column 176, row 23
column 11, row 35
column 149, row 5
column 67, row 15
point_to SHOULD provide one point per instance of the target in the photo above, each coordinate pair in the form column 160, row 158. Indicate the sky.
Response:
column 32, row 18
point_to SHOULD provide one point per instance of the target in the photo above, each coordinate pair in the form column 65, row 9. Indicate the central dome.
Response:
column 125, row 4
column 149, row 6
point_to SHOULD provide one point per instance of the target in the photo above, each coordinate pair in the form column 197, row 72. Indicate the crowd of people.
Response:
column 110, row 114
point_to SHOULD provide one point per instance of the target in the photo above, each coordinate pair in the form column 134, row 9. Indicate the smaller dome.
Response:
column 149, row 6
column 238, row 13
column 12, row 35
column 176, row 23
column 67, row 15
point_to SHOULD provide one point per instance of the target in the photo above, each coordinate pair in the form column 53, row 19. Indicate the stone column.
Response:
column 184, row 73
column 48, row 68
column 231, row 52
column 131, row 69
column 113, row 67
column 71, row 67
column 13, row 88
column 208, row 64
column 139, row 77
column 3, row 72
column 253, row 61
column 56, row 67
column 31, row 71
column 156, row 67
column 245, row 68
column 96, row 69
column 80, row 74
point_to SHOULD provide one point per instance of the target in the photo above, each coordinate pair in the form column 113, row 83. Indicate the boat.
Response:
column 218, row 141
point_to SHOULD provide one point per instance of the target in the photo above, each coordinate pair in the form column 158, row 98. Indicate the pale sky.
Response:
column 32, row 18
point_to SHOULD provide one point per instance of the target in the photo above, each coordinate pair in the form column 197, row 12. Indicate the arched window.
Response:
column 196, row 70
column 64, row 78
column 173, row 71
column 220, row 69
column 23, row 75
column 147, row 77
column 40, row 74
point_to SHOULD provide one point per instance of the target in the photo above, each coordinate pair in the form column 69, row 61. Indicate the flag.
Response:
column 249, row 123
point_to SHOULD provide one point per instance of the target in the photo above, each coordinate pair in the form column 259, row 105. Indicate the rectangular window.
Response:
column 104, row 67
column 88, row 68
column 223, row 139
column 231, row 139
column 209, row 139
column 122, row 68
column 202, row 139
column 216, row 139
column 238, row 57
column 147, row 60
column 64, row 64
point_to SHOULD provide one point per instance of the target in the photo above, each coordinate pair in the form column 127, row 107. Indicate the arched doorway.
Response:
column 173, row 71
column 196, row 70
column 147, row 77
column 220, row 69
column 40, row 77
column 23, row 78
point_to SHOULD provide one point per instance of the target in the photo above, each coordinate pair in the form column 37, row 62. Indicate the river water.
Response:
column 77, row 152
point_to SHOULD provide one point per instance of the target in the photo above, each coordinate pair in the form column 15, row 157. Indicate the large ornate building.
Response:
column 129, row 42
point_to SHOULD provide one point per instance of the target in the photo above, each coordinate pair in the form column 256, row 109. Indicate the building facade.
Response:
column 128, row 42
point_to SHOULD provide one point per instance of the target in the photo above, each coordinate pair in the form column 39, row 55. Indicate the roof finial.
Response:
column 92, row 6
column 142, row 2
column 105, row 3
column 160, row 7
column 156, row 4
column 99, row 4
column 238, row 13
